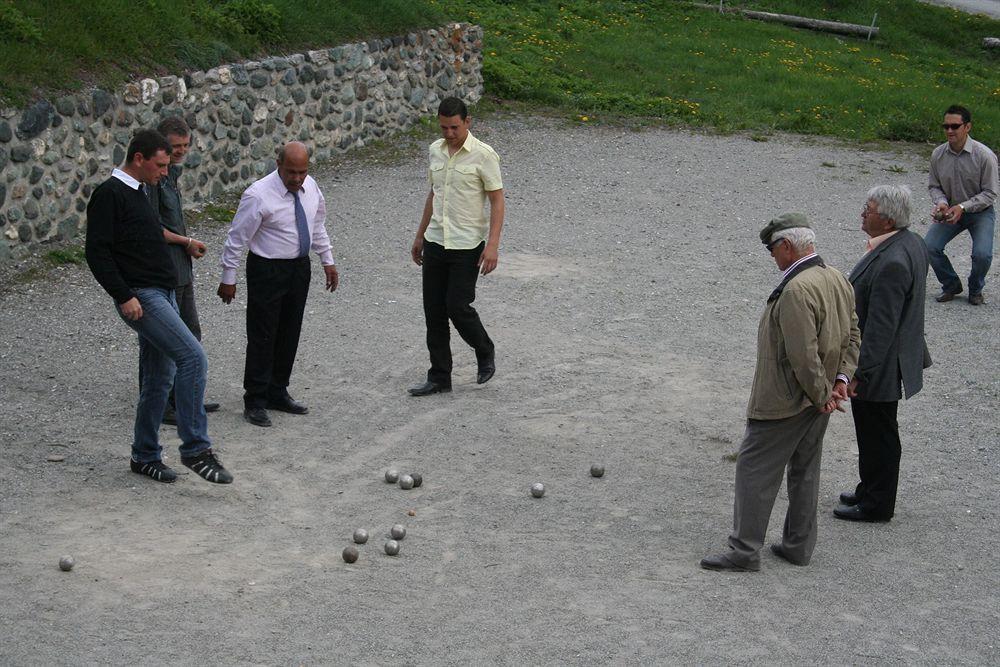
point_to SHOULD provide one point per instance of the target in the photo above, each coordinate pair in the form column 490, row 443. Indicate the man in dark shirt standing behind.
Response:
column 166, row 198
column 128, row 256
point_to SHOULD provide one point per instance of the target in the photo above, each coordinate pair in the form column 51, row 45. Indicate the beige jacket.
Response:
column 806, row 337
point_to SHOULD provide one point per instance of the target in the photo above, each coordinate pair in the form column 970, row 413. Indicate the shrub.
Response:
column 15, row 26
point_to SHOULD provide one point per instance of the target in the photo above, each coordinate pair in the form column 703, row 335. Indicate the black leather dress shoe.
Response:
column 428, row 388
column 287, row 404
column 721, row 563
column 170, row 415
column 780, row 552
column 855, row 513
column 211, row 407
column 848, row 498
column 486, row 371
column 257, row 416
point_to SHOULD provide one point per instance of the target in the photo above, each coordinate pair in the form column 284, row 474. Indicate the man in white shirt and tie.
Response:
column 280, row 218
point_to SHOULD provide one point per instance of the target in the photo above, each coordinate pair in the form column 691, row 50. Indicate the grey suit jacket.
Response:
column 890, row 285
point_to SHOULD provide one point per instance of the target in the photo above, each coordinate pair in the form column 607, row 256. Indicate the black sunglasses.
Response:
column 951, row 126
column 773, row 244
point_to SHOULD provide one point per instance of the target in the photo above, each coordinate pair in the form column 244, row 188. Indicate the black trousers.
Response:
column 879, row 451
column 449, row 290
column 276, row 300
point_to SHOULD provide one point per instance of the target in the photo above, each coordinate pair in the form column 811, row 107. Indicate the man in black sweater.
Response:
column 128, row 256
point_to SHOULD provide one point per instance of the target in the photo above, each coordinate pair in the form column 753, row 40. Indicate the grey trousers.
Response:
column 768, row 447
column 189, row 315
column 188, row 311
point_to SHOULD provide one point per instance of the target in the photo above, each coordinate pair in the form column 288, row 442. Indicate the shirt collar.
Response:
column 967, row 148
column 797, row 262
column 467, row 145
column 279, row 186
column 126, row 179
column 876, row 241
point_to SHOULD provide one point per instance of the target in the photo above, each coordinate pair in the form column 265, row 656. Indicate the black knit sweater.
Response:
column 125, row 245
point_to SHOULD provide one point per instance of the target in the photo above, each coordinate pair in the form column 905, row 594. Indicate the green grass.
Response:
column 71, row 254
column 696, row 67
column 596, row 61
column 104, row 42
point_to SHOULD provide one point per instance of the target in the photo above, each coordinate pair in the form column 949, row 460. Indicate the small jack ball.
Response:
column 405, row 482
column 596, row 471
column 350, row 553
column 392, row 547
column 398, row 531
column 391, row 476
column 538, row 489
column 418, row 479
column 66, row 563
column 361, row 536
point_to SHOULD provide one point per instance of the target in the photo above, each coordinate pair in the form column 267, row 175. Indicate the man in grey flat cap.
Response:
column 807, row 351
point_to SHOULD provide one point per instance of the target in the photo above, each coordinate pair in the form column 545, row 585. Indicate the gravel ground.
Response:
column 625, row 311
column 989, row 8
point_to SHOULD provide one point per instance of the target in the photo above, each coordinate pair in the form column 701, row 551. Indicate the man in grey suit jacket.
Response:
column 890, row 284
column 807, row 350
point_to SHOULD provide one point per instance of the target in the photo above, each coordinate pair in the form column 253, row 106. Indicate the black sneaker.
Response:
column 208, row 467
column 155, row 470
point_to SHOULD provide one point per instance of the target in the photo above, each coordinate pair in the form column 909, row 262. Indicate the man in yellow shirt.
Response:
column 455, row 243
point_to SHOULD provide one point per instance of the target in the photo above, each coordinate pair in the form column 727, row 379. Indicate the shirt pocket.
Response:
column 465, row 178
column 437, row 174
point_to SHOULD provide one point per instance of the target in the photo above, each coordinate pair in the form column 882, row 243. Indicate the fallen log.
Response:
column 852, row 29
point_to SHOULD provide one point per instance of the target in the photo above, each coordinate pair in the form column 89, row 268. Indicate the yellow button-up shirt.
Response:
column 460, row 183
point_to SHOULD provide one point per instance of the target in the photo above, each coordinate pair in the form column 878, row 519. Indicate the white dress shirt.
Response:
column 265, row 221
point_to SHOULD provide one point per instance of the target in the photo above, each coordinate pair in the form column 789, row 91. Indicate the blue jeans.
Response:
column 980, row 226
column 167, row 348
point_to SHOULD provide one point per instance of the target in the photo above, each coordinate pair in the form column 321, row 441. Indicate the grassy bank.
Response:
column 698, row 67
column 48, row 45
column 592, row 59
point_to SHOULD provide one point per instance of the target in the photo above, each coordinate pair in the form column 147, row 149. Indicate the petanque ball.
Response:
column 66, row 563
column 418, row 479
column 350, row 553
column 538, row 489
column 392, row 547
column 361, row 536
column 398, row 531
column 596, row 471
column 405, row 482
column 391, row 476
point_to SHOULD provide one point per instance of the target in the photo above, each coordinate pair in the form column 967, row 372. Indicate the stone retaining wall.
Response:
column 53, row 153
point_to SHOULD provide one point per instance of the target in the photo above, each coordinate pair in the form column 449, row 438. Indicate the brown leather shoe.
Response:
column 976, row 300
column 945, row 296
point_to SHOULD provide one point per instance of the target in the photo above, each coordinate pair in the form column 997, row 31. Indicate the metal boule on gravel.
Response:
column 392, row 547
column 391, row 476
column 596, row 470
column 350, row 553
column 66, row 563
column 360, row 536
column 418, row 479
column 398, row 531
column 538, row 489
column 405, row 482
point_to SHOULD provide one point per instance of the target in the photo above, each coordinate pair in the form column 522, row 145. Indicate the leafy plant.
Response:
column 15, row 26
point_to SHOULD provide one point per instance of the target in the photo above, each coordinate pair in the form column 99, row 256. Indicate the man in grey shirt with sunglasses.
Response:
column 963, row 188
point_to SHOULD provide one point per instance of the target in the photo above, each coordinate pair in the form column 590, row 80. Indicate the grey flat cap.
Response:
column 783, row 221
